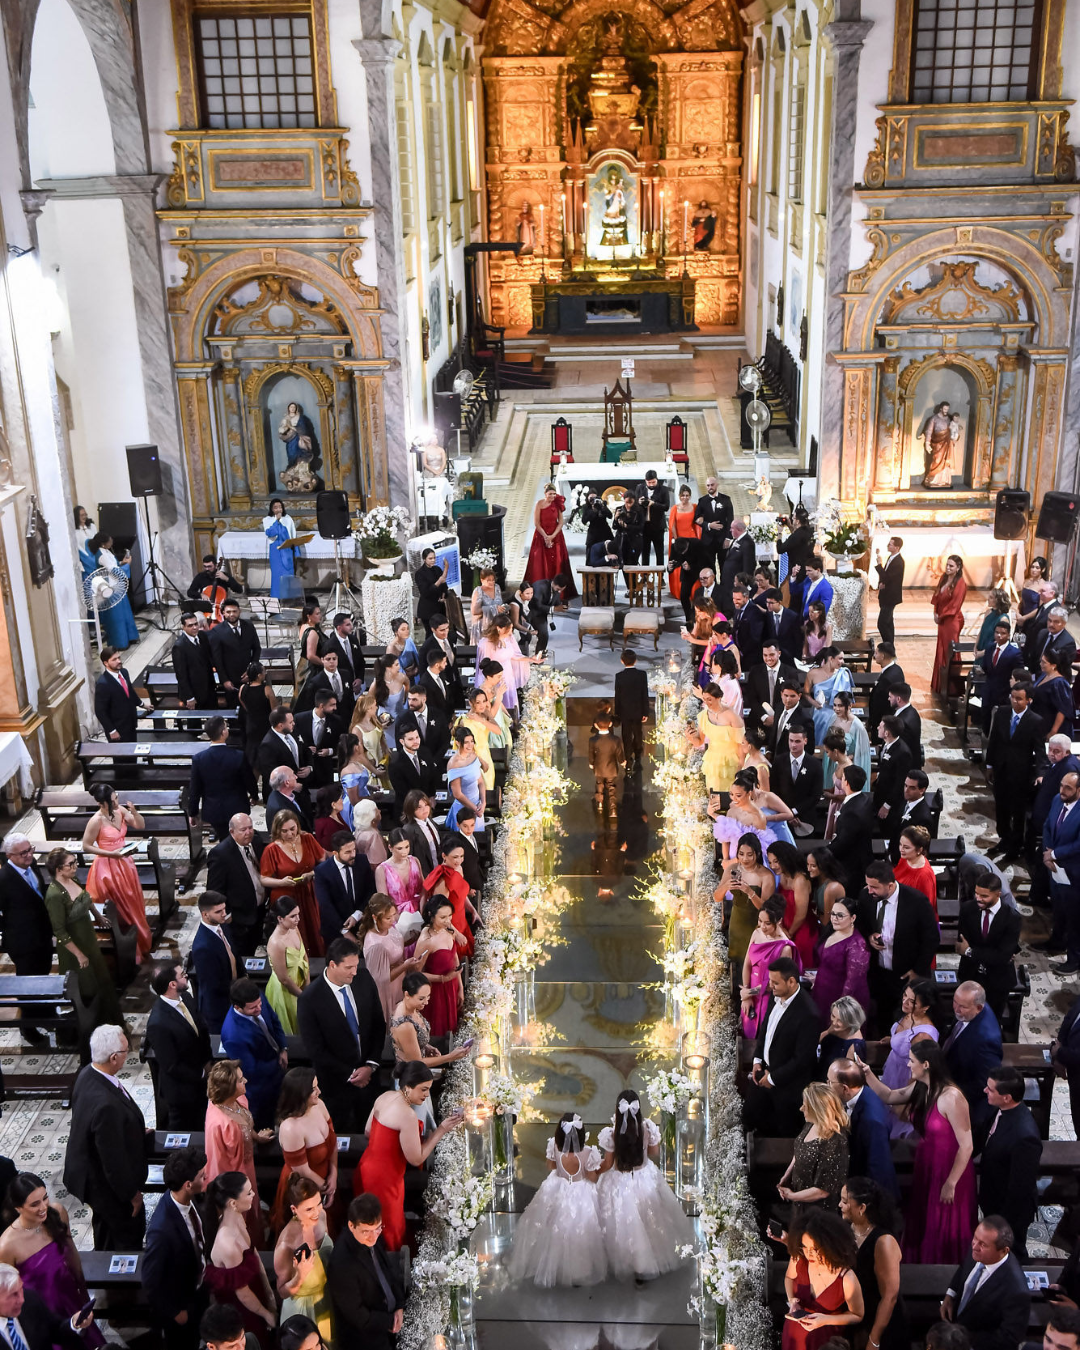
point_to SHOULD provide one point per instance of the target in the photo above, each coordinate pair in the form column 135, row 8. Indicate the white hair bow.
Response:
column 575, row 1124
column 626, row 1107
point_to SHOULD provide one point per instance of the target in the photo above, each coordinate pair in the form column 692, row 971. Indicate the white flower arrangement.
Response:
column 768, row 533
column 460, row 1199
column 668, row 1089
column 505, row 1095
column 579, row 495
column 460, row 1270
column 378, row 530
column 482, row 559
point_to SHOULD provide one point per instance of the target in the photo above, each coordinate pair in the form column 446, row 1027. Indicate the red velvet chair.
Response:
column 677, row 446
column 562, row 442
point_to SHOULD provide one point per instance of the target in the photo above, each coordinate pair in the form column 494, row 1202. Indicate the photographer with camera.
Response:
column 654, row 500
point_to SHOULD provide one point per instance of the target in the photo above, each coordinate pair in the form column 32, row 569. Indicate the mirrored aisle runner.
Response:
column 594, row 1018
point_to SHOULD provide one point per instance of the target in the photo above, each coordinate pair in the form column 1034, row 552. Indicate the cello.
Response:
column 216, row 593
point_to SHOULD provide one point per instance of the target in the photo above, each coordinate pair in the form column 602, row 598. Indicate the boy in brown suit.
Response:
column 605, row 756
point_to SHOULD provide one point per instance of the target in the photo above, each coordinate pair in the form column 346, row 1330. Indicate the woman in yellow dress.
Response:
column 720, row 732
column 288, row 962
column 681, row 526
column 483, row 727
column 301, row 1280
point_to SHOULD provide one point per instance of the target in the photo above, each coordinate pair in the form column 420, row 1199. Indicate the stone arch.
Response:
column 980, row 378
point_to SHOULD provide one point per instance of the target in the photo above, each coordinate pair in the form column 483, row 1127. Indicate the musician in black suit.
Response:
column 26, row 933
column 343, row 640
column 32, row 1320
column 910, row 721
column 222, row 784
column 344, row 883
column 116, row 704
column 280, row 747
column 327, row 679
column 341, row 1023
column 747, row 627
column 1011, row 1156
column 181, row 1044
column 654, row 500
column 765, row 680
column 318, row 733
column 235, row 645
column 1016, row 738
column 172, row 1268
column 210, row 575
column 363, row 1282
column 797, row 779
column 891, row 675
column 433, row 727
column 631, row 706
column 233, row 871
column 899, row 924
column 412, row 768
column 108, row 1146
column 989, row 1296
column 894, row 765
column 785, row 1054
column 890, row 588
column 989, row 938
column 713, row 516
column 193, row 665
column 792, row 712
column 853, row 842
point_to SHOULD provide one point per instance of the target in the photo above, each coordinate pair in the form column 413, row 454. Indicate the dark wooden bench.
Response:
column 858, row 654
column 52, row 1002
column 163, row 763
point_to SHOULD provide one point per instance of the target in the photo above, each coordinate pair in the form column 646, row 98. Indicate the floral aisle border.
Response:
column 731, row 1298
column 509, row 947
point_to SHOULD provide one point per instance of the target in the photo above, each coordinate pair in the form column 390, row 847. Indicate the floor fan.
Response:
column 102, row 590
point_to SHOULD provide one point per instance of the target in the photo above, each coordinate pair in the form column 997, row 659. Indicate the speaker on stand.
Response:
column 332, row 522
column 144, row 480
column 1057, row 517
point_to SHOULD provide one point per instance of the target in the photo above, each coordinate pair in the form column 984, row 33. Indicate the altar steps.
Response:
column 524, row 370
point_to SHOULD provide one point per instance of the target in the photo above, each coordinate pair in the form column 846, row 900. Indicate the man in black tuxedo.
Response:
column 988, row 1296
column 327, row 679
column 891, row 675
column 26, row 933
column 713, row 516
column 898, row 923
column 108, row 1146
column 280, row 747
column 285, row 796
column 116, row 704
column 546, row 596
column 439, row 641
column 747, row 627
column 222, row 784
column 915, row 809
column 738, row 554
column 181, row 1045
column 791, row 713
column 318, row 733
column 433, row 727
column 853, row 840
column 193, row 666
column 797, row 779
column 341, row 1023
column 435, row 685
column 215, row 963
column 910, row 721
column 783, row 627
column 26, row 1316
column 989, row 938
column 785, row 1055
column 233, row 870
column 1011, row 1156
column 423, row 834
column 235, row 645
column 363, row 1282
column 176, row 1255
column 765, row 681
column 654, row 500
column 343, row 640
column 890, row 588
column 894, row 765
column 631, row 706
column 344, row 883
column 412, row 768
column 464, row 836
column 1016, row 737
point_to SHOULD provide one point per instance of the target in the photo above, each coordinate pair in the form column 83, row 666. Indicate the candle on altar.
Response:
column 584, row 225
column 685, row 223
column 542, row 227
column 661, row 220
column 564, row 214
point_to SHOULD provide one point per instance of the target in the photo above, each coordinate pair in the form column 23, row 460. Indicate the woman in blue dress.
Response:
column 829, row 677
column 278, row 526
column 402, row 646
column 465, row 779
column 117, row 623
column 353, row 774
column 856, row 739
column 1052, row 695
column 391, row 690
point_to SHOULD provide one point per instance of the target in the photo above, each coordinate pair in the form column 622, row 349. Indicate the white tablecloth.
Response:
column 253, row 544
column 384, row 601
column 15, row 759
column 611, row 474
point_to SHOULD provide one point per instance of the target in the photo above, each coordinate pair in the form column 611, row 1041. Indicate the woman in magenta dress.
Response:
column 234, row 1273
column 37, row 1242
column 793, row 884
column 768, row 942
column 401, row 877
column 548, row 556
column 112, row 875
column 843, row 959
column 823, row 1292
column 948, row 600
column 939, row 1218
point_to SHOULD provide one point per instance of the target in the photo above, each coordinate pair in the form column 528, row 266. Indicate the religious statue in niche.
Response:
column 704, row 223
column 526, row 229
column 613, row 221
column 301, row 448
column 940, row 435
column 37, row 545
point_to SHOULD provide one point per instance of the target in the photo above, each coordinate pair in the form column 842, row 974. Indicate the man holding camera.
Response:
column 654, row 500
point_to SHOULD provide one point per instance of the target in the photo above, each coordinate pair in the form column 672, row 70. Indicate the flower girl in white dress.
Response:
column 644, row 1225
column 557, row 1240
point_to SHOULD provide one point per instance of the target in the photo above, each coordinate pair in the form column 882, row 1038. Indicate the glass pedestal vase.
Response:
column 504, row 1148
column 524, row 1004
column 690, row 1153
column 712, row 1324
column 462, row 1315
column 668, row 1145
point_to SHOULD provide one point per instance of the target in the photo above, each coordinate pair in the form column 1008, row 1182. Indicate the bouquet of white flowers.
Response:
column 379, row 528
column 668, row 1089
column 482, row 559
column 457, row 1271
column 578, row 497
column 460, row 1199
column 505, row 1095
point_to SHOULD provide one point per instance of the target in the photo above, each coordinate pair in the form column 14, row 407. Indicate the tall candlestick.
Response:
column 685, row 224
column 542, row 235
column 585, row 226
column 662, row 222
column 564, row 213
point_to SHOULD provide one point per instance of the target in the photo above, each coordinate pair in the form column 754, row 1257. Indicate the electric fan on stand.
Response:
column 102, row 590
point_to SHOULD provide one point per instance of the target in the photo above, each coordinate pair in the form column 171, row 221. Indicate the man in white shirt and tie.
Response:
column 440, row 641
column 785, row 1054
column 472, row 866
column 988, row 1296
column 344, row 883
column 433, row 726
column 26, row 935
column 175, row 1259
column 214, row 960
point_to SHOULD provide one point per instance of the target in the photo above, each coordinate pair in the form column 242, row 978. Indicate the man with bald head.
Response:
column 973, row 1048
column 1061, row 858
column 233, row 871
column 869, row 1153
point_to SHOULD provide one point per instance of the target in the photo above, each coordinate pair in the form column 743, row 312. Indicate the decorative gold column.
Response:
column 371, row 430
column 193, row 384
column 235, row 454
column 856, row 445
column 887, row 436
column 1005, row 444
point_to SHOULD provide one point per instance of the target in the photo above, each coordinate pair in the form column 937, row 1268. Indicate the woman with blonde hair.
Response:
column 368, row 725
column 842, row 1036
column 819, row 1167
column 231, row 1134
column 384, row 951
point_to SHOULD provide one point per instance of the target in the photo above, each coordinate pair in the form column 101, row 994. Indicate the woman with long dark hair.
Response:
column 438, row 949
column 279, row 527
column 823, row 1291
column 948, row 600
column 299, row 1333
column 827, row 879
column 793, row 884
column 643, row 1224
column 431, row 582
column 302, row 1254
column 749, row 883
column 307, row 1138
column 72, row 914
column 257, row 701
column 915, row 1023
column 289, row 968
column 874, row 1221
column 311, row 636
column 234, row 1271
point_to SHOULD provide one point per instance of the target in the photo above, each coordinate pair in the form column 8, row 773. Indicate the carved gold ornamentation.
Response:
column 954, row 296
column 278, row 308
column 880, row 240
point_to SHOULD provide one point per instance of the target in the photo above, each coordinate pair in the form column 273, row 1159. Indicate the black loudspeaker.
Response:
column 332, row 515
column 120, row 519
column 1011, row 513
column 144, row 470
column 1057, row 517
column 483, row 532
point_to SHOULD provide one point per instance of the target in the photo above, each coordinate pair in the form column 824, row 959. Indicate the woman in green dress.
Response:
column 302, row 1282
column 750, row 884
column 72, row 915
column 288, row 962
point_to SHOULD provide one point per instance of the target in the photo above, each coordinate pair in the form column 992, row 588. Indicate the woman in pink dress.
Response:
column 768, row 942
column 948, row 600
column 112, row 875
column 793, row 884
column 499, row 644
column 231, row 1135
column 384, row 951
column 548, row 556
column 401, row 877
column 940, row 1215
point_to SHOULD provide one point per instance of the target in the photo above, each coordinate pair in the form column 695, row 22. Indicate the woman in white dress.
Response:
column 558, row 1238
column 643, row 1224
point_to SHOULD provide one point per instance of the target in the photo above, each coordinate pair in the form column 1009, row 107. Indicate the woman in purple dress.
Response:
column 915, row 1024
column 939, row 1217
column 843, row 961
column 767, row 943
column 37, row 1242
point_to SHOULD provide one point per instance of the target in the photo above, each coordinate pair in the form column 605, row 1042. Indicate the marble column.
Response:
column 235, row 451
column 845, row 37
column 377, row 55
column 1068, row 470
column 887, row 438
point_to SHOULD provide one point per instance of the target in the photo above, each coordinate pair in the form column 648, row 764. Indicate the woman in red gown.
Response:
column 548, row 556
column 393, row 1133
column 449, row 879
column 823, row 1292
column 287, row 867
column 112, row 875
column 948, row 599
column 308, row 1143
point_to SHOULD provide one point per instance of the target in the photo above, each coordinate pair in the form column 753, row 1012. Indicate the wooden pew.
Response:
column 52, row 1002
column 164, row 763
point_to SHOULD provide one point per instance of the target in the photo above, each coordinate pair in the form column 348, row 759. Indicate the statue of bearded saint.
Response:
column 613, row 221
column 940, row 433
